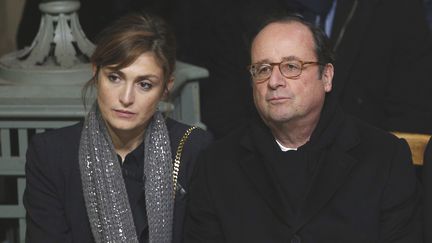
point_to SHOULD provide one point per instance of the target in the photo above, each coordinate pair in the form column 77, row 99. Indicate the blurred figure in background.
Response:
column 428, row 4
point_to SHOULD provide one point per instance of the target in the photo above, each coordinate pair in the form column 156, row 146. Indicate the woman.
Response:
column 110, row 178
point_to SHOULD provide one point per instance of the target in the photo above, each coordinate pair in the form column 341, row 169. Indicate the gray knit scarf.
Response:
column 104, row 190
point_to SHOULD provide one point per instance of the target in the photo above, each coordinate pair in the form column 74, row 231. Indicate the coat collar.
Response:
column 334, row 167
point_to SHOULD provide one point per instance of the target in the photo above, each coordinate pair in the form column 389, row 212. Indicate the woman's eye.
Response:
column 145, row 85
column 113, row 77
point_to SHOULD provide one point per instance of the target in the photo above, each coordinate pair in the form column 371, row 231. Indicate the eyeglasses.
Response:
column 289, row 69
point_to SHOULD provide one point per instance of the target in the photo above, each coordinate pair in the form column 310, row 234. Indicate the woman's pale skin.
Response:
column 128, row 98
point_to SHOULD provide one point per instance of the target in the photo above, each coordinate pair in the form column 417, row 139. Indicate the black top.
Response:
column 133, row 175
column 291, row 170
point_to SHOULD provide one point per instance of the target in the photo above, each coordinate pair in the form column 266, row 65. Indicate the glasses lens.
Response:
column 261, row 71
column 291, row 68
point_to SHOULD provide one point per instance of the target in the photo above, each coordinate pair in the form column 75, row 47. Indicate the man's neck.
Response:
column 293, row 134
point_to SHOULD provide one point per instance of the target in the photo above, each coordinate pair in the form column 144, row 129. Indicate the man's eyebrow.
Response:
column 290, row 58
column 264, row 61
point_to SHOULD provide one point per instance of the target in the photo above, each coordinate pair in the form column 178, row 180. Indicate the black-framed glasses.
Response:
column 289, row 69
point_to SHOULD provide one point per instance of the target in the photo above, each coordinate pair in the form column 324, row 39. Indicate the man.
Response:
column 383, row 49
column 303, row 171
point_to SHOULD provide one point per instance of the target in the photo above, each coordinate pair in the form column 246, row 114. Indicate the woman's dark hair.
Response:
column 121, row 43
column 323, row 50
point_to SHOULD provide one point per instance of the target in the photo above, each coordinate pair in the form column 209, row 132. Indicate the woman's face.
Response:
column 128, row 97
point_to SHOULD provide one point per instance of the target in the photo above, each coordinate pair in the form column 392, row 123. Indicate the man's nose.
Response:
column 276, row 78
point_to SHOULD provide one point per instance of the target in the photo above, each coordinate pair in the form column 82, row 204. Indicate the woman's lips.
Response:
column 124, row 113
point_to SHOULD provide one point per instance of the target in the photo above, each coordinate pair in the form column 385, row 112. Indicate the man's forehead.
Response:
column 283, row 29
column 281, row 40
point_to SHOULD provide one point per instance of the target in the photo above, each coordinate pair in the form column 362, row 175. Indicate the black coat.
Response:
column 384, row 62
column 364, row 189
column 427, row 182
column 53, row 196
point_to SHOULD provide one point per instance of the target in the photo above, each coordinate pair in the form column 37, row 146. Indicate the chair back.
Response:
column 417, row 143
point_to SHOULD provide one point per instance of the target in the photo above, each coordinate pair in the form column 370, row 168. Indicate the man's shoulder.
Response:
column 373, row 140
column 371, row 133
column 228, row 144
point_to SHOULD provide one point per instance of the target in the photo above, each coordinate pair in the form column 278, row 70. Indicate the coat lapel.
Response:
column 257, row 172
column 333, row 170
column 334, row 165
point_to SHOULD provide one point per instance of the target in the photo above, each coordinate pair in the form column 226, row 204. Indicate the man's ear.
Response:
column 327, row 77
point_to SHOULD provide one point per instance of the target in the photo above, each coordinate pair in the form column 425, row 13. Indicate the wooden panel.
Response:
column 417, row 143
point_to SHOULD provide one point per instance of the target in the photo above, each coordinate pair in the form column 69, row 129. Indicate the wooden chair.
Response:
column 417, row 143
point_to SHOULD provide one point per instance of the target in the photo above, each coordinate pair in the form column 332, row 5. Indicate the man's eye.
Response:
column 264, row 69
column 291, row 66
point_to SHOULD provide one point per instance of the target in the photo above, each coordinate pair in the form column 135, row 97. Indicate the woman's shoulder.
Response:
column 54, row 150
column 67, row 134
column 198, row 136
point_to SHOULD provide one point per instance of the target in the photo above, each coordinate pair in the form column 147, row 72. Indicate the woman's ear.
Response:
column 95, row 73
column 94, row 69
column 168, row 87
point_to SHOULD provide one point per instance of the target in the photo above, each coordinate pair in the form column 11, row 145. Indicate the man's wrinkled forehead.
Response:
column 281, row 40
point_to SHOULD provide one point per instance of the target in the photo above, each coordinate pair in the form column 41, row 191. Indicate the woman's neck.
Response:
column 126, row 141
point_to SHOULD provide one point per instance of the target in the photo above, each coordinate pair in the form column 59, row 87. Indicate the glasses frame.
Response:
column 273, row 64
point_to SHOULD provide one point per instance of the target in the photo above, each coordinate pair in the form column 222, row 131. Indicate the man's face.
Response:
column 282, row 100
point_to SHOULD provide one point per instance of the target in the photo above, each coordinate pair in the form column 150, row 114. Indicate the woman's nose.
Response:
column 127, row 95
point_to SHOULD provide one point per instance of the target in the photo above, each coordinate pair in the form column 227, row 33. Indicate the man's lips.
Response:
column 277, row 99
